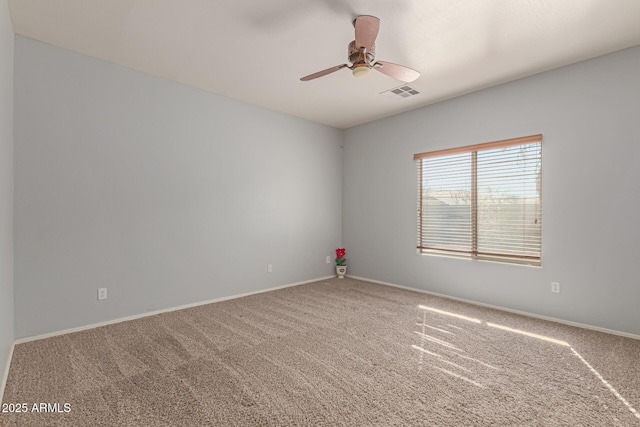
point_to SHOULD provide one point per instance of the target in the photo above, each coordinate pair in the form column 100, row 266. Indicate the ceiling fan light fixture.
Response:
column 360, row 71
column 361, row 55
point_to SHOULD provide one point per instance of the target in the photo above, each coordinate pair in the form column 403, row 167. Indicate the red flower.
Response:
column 340, row 252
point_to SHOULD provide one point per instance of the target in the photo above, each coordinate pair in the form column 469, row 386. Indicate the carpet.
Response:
column 333, row 352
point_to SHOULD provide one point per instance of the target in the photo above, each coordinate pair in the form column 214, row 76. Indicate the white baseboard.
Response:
column 5, row 375
column 165, row 310
column 497, row 307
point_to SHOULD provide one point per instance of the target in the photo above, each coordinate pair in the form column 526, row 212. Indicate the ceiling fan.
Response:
column 362, row 55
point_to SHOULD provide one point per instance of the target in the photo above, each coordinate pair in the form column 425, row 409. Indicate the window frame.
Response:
column 474, row 253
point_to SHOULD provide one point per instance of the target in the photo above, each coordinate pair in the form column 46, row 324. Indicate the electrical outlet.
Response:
column 269, row 268
column 328, row 259
column 102, row 293
column 555, row 287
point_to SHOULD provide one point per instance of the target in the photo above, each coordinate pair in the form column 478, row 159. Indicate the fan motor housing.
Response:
column 355, row 56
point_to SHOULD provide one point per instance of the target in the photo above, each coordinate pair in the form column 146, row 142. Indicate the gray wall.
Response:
column 6, row 188
column 588, row 114
column 164, row 194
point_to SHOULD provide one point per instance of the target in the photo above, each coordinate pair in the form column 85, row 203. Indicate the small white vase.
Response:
column 341, row 270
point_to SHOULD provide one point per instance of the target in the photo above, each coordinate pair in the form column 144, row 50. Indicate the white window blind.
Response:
column 482, row 201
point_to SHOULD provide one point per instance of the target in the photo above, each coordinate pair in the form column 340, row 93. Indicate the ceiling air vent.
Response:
column 404, row 91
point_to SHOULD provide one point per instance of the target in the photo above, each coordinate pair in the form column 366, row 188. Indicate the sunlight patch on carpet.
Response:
column 448, row 313
column 529, row 334
column 437, row 341
column 516, row 331
column 436, row 329
column 457, row 366
column 479, row 361
column 606, row 383
column 453, row 374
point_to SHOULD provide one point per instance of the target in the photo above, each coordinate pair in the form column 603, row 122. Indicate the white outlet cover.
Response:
column 555, row 287
column 102, row 293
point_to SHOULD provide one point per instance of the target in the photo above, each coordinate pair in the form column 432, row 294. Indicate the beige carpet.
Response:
column 335, row 352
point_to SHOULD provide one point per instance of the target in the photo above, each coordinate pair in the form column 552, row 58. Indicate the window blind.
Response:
column 482, row 201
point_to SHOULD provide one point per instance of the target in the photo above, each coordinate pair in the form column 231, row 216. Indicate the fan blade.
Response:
column 367, row 27
column 396, row 71
column 323, row 73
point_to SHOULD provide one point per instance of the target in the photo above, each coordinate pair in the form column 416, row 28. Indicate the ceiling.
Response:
column 256, row 51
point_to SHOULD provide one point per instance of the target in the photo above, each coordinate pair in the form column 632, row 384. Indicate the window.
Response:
column 482, row 201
